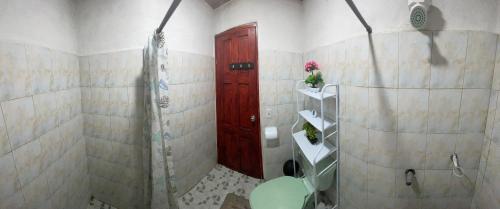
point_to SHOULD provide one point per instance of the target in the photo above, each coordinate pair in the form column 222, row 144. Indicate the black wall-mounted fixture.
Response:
column 241, row 66
column 169, row 14
column 360, row 17
column 409, row 174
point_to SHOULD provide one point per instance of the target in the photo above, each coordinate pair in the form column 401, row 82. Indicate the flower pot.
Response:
column 314, row 140
column 314, row 89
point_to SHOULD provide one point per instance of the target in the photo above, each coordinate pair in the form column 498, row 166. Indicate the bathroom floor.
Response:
column 97, row 204
column 211, row 191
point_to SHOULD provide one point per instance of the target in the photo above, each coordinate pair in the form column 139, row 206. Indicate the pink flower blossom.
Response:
column 311, row 66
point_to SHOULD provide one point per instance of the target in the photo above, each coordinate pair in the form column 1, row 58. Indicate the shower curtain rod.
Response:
column 170, row 11
column 360, row 17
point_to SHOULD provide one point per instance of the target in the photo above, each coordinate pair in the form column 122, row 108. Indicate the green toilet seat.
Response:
column 280, row 193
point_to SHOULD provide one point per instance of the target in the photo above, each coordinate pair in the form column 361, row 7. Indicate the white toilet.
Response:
column 294, row 193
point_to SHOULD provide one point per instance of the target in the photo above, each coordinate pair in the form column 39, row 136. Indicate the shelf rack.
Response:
column 314, row 153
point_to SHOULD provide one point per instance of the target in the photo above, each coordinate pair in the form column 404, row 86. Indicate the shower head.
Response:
column 418, row 12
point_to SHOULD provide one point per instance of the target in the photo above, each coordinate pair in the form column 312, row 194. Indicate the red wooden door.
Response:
column 238, row 124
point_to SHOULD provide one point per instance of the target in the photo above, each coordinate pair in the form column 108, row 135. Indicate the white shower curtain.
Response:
column 159, row 179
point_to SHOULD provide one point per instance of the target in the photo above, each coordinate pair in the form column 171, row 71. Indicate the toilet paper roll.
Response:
column 271, row 133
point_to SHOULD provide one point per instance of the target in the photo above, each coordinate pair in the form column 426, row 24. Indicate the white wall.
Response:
column 48, row 23
column 279, row 21
column 498, row 17
column 329, row 21
column 113, row 25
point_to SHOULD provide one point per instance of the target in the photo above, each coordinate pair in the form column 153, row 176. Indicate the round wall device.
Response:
column 418, row 17
column 418, row 12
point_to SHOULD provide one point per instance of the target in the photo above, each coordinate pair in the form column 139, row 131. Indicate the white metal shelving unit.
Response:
column 314, row 153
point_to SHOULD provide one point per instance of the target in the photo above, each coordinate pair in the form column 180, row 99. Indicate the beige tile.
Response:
column 59, row 69
column 459, row 202
column 28, row 162
column 52, row 145
column 463, row 187
column 480, row 60
column 40, row 64
column 469, row 150
column 4, row 140
column 15, row 79
column 381, row 181
column 267, row 70
column 439, row 149
column 357, row 107
column 284, row 66
column 9, row 183
column 46, row 112
column 36, row 193
column 98, row 68
column 414, row 59
column 413, row 105
column 383, row 109
column 379, row 202
column 474, row 109
column 411, row 150
column 100, row 101
column 339, row 61
column 101, row 126
column 19, row 117
column 286, row 114
column 136, row 129
column 437, row 183
column 435, row 203
column 356, row 175
column 285, row 90
column 268, row 93
column 120, row 129
column 444, row 107
column 15, row 201
column 135, row 68
column 384, row 61
column 63, row 103
column 359, row 142
column 496, row 76
column 448, row 59
column 407, row 203
column 117, row 63
column 73, row 72
column 359, row 59
column 382, row 148
column 84, row 67
column 118, row 101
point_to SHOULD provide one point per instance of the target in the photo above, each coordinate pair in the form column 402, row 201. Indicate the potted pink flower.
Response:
column 314, row 80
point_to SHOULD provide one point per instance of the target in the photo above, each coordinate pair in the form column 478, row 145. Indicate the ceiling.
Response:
column 216, row 3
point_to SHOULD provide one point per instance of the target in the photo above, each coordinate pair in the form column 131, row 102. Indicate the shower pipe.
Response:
column 358, row 14
column 170, row 11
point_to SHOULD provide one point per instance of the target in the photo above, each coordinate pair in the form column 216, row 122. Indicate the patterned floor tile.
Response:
column 211, row 191
column 97, row 204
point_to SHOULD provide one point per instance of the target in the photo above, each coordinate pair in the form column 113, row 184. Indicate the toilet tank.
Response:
column 326, row 179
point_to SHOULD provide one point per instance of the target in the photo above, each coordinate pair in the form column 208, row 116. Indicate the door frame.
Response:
column 218, row 91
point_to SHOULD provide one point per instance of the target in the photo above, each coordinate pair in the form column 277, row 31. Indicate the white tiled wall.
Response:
column 42, row 155
column 487, row 191
column 409, row 100
column 112, row 100
column 192, row 117
column 112, row 104
column 278, row 73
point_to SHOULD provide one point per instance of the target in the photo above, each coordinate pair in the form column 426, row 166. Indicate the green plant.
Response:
column 314, row 79
column 310, row 132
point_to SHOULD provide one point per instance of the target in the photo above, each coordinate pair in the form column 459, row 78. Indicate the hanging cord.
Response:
column 458, row 171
